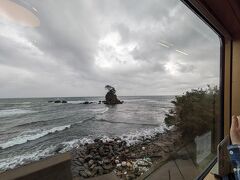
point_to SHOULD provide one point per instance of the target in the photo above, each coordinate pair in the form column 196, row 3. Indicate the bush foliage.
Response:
column 195, row 112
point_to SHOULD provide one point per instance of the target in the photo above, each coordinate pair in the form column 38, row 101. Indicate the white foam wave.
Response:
column 137, row 136
column 12, row 112
column 134, row 100
column 76, row 102
column 31, row 135
column 11, row 162
column 75, row 143
column 26, row 103
column 15, row 103
column 105, row 110
column 130, row 138
column 101, row 111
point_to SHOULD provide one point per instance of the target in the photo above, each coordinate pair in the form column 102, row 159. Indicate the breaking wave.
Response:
column 120, row 122
column 31, row 135
column 12, row 112
column 76, row 102
column 130, row 138
column 11, row 162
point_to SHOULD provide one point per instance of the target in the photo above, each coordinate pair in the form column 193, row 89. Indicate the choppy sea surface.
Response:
column 32, row 128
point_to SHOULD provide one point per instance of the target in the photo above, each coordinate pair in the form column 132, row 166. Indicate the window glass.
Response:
column 127, row 86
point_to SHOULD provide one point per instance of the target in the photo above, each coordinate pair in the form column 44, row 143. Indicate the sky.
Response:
column 75, row 48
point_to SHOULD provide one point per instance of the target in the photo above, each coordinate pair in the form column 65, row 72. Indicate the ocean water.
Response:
column 32, row 128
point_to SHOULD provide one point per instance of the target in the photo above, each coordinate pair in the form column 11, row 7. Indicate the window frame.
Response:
column 225, row 71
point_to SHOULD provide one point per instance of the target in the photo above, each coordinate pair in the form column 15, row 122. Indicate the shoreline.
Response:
column 127, row 162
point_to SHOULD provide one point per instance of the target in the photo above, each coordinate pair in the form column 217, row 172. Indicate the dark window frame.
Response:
column 204, row 173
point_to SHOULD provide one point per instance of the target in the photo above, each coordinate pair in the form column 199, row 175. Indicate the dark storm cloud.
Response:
column 152, row 47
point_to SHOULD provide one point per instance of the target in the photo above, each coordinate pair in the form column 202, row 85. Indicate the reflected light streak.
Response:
column 165, row 42
column 182, row 52
column 34, row 9
column 162, row 44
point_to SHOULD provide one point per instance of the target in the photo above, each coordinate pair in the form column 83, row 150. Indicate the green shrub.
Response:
column 195, row 112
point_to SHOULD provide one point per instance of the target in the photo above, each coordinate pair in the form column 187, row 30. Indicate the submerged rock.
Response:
column 59, row 148
column 87, row 102
column 58, row 101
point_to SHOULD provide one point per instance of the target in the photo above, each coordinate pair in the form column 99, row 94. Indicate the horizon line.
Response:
column 81, row 96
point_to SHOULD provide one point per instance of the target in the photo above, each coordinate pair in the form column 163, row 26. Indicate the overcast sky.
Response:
column 147, row 47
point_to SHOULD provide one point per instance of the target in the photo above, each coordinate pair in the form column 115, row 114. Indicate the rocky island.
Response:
column 111, row 97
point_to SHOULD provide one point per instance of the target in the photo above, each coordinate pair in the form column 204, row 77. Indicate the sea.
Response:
column 33, row 128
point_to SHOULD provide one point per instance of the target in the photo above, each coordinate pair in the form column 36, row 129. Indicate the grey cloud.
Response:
column 69, row 37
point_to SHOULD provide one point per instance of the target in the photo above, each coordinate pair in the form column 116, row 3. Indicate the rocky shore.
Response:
column 127, row 162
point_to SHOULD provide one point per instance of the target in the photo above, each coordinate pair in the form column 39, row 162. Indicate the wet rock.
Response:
column 129, row 164
column 90, row 163
column 89, row 174
column 86, row 102
column 93, row 166
column 77, row 163
column 119, row 166
column 119, row 173
column 143, row 162
column 117, row 139
column 100, row 162
column 100, row 170
column 130, row 176
column 96, row 140
column 81, row 160
column 101, row 151
column 124, row 163
column 136, row 169
column 59, row 148
column 88, row 158
column 106, row 161
column 85, row 165
column 108, row 167
column 80, row 168
column 97, row 157
column 94, row 171
column 83, row 174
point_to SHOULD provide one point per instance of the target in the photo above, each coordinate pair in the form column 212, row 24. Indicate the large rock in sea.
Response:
column 111, row 98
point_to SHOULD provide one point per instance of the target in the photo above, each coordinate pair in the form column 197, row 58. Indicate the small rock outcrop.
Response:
column 57, row 101
column 111, row 97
